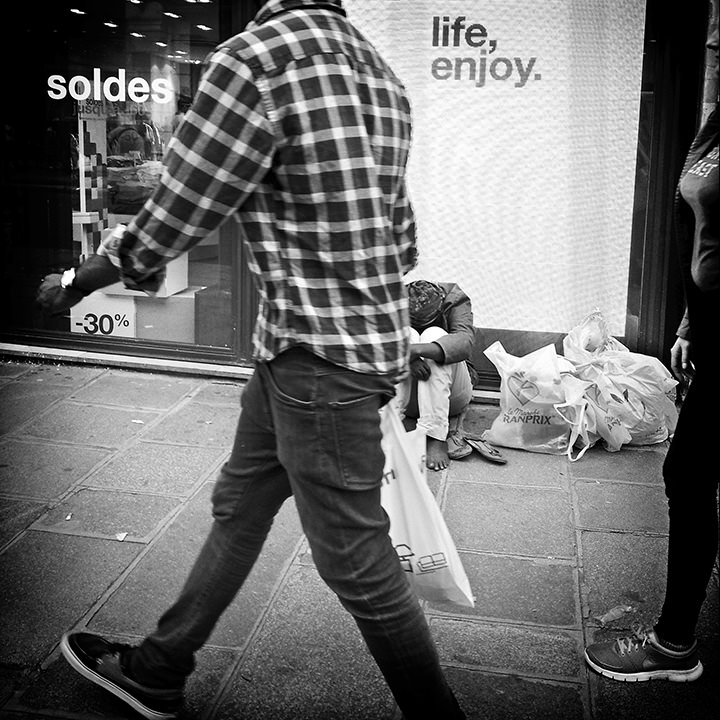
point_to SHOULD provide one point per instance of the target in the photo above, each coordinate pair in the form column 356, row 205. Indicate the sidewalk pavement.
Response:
column 105, row 480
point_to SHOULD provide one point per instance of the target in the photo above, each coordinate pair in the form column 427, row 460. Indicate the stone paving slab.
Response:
column 141, row 390
column 89, row 424
column 220, row 393
column 522, row 468
column 633, row 464
column 622, row 569
column 23, row 401
column 16, row 516
column 622, row 506
column 49, row 581
column 150, row 467
column 513, row 520
column 43, row 470
column 70, row 376
column 523, row 590
column 197, row 424
column 134, row 518
column 512, row 697
column 515, row 649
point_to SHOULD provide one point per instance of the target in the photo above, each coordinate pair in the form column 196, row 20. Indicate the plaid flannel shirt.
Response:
column 300, row 129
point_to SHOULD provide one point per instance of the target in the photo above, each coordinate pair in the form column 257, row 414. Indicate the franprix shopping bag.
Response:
column 417, row 528
column 541, row 403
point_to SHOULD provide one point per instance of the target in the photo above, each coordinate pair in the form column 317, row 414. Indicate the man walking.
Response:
column 302, row 131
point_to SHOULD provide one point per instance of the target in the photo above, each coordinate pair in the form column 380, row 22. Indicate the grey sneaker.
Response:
column 101, row 662
column 640, row 657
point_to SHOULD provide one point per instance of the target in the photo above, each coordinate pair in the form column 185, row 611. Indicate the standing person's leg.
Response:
column 328, row 428
column 251, row 488
column 669, row 651
column 692, row 507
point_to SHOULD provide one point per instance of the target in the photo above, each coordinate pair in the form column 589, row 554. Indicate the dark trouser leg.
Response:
column 691, row 484
column 328, row 431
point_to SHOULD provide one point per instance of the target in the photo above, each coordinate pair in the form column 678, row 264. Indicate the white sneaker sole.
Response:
column 671, row 675
column 110, row 686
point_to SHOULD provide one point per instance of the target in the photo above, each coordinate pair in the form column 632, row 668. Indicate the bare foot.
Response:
column 437, row 454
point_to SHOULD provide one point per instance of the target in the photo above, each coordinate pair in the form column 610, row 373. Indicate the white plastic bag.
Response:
column 630, row 394
column 417, row 528
column 542, row 408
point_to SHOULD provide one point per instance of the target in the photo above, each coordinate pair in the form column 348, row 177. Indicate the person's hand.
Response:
column 53, row 298
column 680, row 362
column 419, row 369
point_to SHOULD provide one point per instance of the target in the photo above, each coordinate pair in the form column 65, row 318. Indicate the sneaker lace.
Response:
column 634, row 642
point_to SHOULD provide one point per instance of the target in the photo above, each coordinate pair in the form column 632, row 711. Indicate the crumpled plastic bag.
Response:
column 630, row 395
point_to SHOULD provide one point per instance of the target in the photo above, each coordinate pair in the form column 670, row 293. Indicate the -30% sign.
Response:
column 104, row 316
column 93, row 324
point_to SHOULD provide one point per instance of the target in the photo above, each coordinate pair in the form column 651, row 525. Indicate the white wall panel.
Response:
column 523, row 176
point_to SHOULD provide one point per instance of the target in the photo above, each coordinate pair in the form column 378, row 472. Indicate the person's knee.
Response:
column 431, row 334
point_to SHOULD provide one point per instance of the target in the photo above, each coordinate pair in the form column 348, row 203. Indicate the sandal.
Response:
column 486, row 450
column 457, row 447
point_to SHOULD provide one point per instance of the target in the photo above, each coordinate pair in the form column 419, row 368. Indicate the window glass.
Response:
column 108, row 85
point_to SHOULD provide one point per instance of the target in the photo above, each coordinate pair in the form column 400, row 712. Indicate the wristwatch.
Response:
column 67, row 279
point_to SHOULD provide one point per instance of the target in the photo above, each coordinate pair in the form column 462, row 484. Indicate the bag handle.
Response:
column 578, row 429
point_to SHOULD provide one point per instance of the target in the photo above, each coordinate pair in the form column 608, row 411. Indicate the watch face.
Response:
column 67, row 278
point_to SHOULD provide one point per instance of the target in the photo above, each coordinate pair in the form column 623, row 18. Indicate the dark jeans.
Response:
column 691, row 485
column 311, row 429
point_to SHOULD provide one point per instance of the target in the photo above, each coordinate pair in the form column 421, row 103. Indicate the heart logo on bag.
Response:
column 522, row 388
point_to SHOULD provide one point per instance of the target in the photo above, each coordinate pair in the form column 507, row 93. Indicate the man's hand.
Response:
column 419, row 369
column 54, row 298
column 680, row 362
column 95, row 273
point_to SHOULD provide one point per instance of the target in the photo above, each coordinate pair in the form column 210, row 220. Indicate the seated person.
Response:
column 439, row 388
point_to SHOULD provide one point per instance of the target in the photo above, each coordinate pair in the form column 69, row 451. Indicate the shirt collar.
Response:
column 273, row 7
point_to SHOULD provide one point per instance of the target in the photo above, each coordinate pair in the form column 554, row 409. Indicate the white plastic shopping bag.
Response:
column 417, row 528
column 630, row 395
column 541, row 404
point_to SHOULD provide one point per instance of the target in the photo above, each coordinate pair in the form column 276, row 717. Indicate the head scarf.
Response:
column 425, row 299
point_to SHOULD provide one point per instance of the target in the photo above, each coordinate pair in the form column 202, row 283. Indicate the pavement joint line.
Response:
column 546, row 678
column 571, row 630
column 623, row 531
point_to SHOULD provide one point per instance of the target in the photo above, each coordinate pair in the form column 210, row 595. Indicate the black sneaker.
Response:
column 641, row 657
column 101, row 662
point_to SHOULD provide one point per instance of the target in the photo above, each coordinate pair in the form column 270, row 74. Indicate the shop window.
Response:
column 84, row 150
